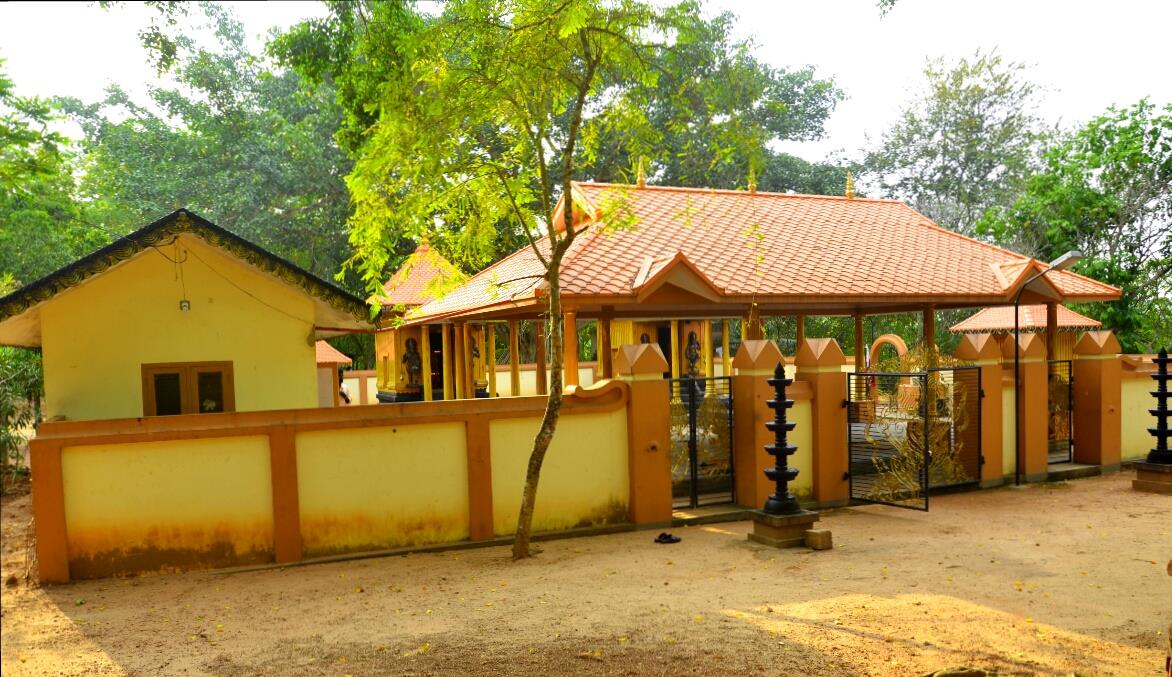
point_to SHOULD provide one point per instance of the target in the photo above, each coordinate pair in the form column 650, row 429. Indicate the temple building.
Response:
column 999, row 322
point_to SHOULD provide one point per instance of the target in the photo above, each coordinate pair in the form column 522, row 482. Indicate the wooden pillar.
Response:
column 648, row 433
column 539, row 337
column 860, row 352
column 425, row 353
column 675, row 349
column 514, row 358
column 725, row 342
column 709, row 354
column 983, row 351
column 929, row 338
column 755, row 362
column 446, row 346
column 1051, row 331
column 801, row 333
column 490, row 357
column 605, row 356
column 1098, row 403
column 819, row 362
column 570, row 336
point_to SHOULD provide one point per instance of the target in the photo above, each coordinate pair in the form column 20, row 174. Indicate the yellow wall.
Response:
column 504, row 385
column 1136, row 420
column 803, row 437
column 97, row 335
column 379, row 488
column 584, row 480
column 130, row 507
column 1008, row 443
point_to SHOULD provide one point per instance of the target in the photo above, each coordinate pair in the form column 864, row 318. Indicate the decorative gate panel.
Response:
column 701, row 441
column 1061, row 410
column 908, row 432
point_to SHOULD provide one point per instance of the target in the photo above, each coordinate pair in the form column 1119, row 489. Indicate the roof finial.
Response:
column 850, row 186
column 752, row 181
column 640, row 175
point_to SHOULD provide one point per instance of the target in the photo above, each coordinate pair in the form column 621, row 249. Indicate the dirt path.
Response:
column 1051, row 579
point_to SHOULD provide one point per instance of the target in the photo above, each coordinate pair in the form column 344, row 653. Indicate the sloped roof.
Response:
column 423, row 277
column 335, row 310
column 795, row 250
column 1032, row 318
column 327, row 354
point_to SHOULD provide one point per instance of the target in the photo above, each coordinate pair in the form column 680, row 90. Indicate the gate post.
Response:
column 1098, row 394
column 982, row 350
column 754, row 364
column 648, row 432
column 1033, row 446
column 819, row 361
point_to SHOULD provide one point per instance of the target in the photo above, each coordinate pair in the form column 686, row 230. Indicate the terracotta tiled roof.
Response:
column 327, row 354
column 423, row 277
column 771, row 247
column 1031, row 318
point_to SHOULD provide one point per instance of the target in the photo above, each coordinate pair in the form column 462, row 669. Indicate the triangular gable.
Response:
column 18, row 310
column 677, row 271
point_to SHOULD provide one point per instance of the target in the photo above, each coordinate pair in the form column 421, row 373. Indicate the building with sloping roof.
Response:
column 178, row 317
column 999, row 322
column 674, row 265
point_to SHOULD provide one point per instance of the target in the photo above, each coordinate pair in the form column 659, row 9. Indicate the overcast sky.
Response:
column 1087, row 54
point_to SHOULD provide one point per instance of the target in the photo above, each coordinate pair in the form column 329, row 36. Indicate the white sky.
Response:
column 1088, row 54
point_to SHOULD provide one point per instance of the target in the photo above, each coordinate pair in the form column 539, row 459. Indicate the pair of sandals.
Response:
column 665, row 537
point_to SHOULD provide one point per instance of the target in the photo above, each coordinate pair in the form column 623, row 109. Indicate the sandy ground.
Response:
column 1052, row 579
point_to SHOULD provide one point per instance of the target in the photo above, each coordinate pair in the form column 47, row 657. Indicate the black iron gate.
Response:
column 1060, row 380
column 911, row 432
column 701, row 441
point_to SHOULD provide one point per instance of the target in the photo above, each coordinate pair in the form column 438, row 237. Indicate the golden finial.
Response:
column 640, row 175
column 752, row 181
column 850, row 186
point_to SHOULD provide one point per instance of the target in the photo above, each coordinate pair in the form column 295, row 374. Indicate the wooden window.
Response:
column 187, row 388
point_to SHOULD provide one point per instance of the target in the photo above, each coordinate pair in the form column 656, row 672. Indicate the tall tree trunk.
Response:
column 549, row 421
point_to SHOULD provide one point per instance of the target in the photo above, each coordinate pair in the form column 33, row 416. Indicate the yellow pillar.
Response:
column 725, row 358
column 570, row 336
column 458, row 348
column 446, row 346
column 706, row 339
column 1051, row 331
column 514, row 358
column 605, row 358
column 469, row 377
column 425, row 355
column 542, row 383
column 675, row 348
column 860, row 353
column 490, row 357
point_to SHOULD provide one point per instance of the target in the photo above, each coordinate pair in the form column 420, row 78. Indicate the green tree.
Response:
column 485, row 123
column 248, row 147
column 965, row 144
column 1106, row 190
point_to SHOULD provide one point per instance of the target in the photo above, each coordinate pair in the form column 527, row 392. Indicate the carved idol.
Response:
column 692, row 352
column 644, row 338
column 413, row 363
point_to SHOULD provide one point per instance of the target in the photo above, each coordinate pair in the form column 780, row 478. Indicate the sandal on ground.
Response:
column 667, row 538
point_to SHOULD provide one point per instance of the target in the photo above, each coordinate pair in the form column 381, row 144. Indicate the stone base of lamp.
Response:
column 781, row 531
column 1153, row 477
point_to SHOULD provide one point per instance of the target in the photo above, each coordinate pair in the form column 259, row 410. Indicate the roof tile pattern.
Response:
column 327, row 354
column 765, row 246
column 1031, row 318
column 422, row 278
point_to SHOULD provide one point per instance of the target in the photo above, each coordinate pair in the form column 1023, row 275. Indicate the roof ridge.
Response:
column 733, row 191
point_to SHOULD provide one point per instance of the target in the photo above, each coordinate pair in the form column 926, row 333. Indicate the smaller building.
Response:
column 179, row 317
column 330, row 362
column 998, row 321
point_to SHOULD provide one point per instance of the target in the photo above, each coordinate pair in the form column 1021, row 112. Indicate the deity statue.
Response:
column 644, row 338
column 413, row 363
column 692, row 352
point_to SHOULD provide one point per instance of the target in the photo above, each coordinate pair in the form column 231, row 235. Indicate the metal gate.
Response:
column 1060, row 381
column 911, row 432
column 701, row 441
